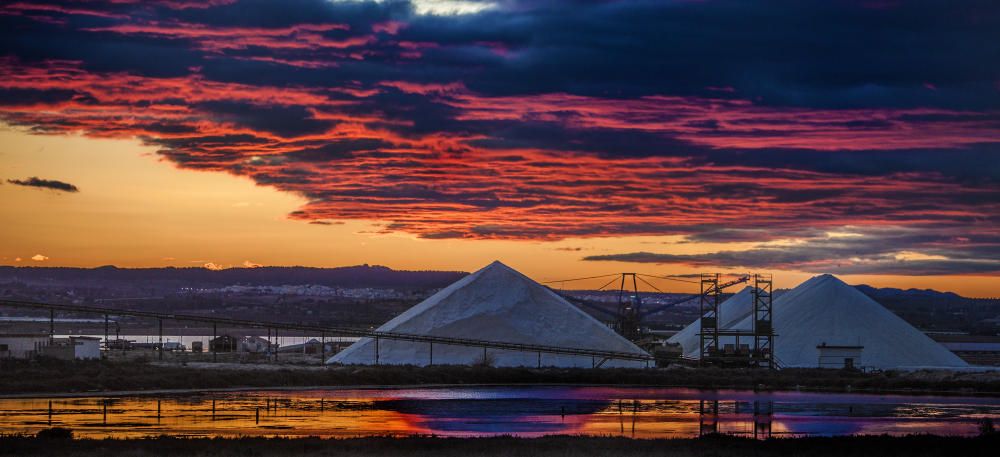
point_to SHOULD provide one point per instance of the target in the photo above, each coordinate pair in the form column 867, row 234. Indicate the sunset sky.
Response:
column 566, row 138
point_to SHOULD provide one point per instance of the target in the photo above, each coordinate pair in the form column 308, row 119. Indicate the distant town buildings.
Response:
column 308, row 290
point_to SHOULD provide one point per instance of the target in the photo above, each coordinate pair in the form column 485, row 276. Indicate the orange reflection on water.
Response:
column 220, row 417
column 480, row 411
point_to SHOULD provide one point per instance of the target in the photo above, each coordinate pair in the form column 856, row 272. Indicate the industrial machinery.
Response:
column 757, row 345
column 628, row 318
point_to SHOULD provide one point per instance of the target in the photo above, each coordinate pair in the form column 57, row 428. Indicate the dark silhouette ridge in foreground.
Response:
column 715, row 445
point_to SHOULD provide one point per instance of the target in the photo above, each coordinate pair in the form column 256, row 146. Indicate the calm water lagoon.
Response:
column 482, row 411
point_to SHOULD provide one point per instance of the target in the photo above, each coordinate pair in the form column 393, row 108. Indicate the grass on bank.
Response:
column 48, row 376
column 505, row 446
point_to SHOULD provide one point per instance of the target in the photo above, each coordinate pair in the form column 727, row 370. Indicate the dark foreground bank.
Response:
column 909, row 446
column 56, row 376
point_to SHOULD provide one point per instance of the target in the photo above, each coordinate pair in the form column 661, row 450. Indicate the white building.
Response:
column 74, row 347
column 22, row 345
column 255, row 344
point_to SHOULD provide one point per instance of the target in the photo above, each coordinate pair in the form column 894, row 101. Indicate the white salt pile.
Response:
column 495, row 303
column 826, row 311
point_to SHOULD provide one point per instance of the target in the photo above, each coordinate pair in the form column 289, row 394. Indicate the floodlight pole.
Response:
column 161, row 338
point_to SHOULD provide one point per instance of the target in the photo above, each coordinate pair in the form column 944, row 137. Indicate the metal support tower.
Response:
column 709, row 307
column 763, row 330
column 629, row 319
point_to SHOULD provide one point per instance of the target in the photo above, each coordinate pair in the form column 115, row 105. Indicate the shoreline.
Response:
column 169, row 392
column 67, row 379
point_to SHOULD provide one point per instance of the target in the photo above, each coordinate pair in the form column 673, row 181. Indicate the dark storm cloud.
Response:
column 287, row 121
column 833, row 54
column 40, row 183
column 829, row 54
column 975, row 163
column 14, row 97
column 904, row 252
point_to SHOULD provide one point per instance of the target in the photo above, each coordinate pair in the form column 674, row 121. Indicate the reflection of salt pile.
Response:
column 499, row 304
column 826, row 315
column 731, row 313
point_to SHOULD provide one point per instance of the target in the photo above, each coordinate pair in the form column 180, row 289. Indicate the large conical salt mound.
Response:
column 499, row 304
column 826, row 310
column 731, row 312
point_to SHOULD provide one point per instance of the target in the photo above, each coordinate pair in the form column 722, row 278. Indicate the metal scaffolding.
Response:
column 709, row 307
column 761, row 354
column 763, row 330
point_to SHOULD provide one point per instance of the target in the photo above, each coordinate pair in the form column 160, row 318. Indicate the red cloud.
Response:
column 366, row 164
column 727, row 123
column 215, row 39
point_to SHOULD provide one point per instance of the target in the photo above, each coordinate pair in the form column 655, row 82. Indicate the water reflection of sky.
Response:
column 522, row 411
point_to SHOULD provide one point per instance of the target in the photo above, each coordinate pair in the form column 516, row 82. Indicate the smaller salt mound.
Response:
column 731, row 313
column 824, row 309
column 498, row 304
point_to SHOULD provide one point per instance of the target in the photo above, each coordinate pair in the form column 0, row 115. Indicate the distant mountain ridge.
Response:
column 932, row 310
column 892, row 292
column 352, row 276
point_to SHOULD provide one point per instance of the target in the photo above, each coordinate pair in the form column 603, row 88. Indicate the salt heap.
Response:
column 731, row 313
column 499, row 304
column 826, row 311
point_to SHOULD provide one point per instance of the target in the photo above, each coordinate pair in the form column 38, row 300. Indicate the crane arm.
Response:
column 671, row 304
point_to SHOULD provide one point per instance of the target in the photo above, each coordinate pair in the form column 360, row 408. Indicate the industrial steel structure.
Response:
column 627, row 320
column 761, row 333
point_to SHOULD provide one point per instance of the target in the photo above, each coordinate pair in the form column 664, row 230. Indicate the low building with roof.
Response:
column 22, row 345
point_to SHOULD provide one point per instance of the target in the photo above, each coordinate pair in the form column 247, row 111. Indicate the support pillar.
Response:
column 432, row 354
column 709, row 317
column 161, row 338
column 763, row 330
column 376, row 350
column 213, row 343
